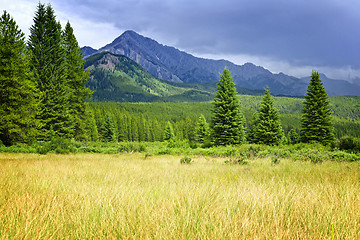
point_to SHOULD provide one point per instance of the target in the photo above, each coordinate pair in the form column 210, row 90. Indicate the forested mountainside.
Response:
column 117, row 78
column 170, row 64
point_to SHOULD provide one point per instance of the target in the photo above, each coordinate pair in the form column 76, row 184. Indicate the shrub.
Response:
column 349, row 143
column 275, row 160
column 57, row 145
column 240, row 159
column 185, row 160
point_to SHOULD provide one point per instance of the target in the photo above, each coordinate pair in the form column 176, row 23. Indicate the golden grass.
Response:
column 95, row 196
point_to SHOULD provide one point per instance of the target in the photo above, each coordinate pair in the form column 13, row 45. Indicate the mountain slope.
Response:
column 337, row 87
column 87, row 51
column 118, row 78
column 170, row 64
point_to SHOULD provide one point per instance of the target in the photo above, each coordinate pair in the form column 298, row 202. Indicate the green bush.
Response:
column 349, row 143
column 275, row 160
column 185, row 160
column 57, row 145
column 239, row 161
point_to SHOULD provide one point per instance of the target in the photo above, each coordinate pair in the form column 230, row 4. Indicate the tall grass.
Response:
column 128, row 196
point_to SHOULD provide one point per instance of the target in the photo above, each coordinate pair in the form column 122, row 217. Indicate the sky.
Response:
column 289, row 36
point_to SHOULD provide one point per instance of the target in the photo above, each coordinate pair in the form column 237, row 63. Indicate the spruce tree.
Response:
column 267, row 129
column 202, row 129
column 48, row 63
column 169, row 132
column 108, row 129
column 91, row 130
column 18, row 92
column 250, row 137
column 292, row 137
column 227, row 125
column 76, row 79
column 316, row 119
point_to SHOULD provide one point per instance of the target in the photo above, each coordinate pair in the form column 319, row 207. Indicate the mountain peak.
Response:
column 87, row 51
column 171, row 64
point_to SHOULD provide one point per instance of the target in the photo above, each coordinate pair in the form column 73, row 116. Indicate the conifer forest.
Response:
column 44, row 96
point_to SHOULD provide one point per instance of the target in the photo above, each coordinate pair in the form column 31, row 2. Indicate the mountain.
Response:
column 337, row 87
column 87, row 51
column 118, row 78
column 170, row 64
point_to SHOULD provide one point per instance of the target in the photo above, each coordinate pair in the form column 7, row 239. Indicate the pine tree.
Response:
column 134, row 129
column 76, row 79
column 227, row 125
column 202, row 129
column 90, row 129
column 156, row 131
column 108, row 129
column 169, row 132
column 267, row 129
column 250, row 137
column 316, row 119
column 293, row 137
column 18, row 92
column 48, row 63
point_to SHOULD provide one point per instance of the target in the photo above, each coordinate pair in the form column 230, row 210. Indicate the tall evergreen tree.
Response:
column 267, row 129
column 48, row 63
column 292, row 137
column 169, row 132
column 250, row 133
column 227, row 125
column 316, row 119
column 202, row 129
column 76, row 79
column 91, row 130
column 108, row 129
column 18, row 93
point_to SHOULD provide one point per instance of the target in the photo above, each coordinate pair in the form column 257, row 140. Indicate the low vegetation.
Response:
column 97, row 196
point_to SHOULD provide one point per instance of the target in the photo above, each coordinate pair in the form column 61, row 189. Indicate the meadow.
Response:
column 136, row 196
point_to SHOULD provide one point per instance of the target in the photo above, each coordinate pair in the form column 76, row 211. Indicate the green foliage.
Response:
column 48, row 63
column 275, row 160
column 227, row 125
column 18, row 93
column 316, row 122
column 57, row 145
column 76, row 79
column 118, row 78
column 266, row 127
column 292, row 137
column 239, row 159
column 108, row 129
column 185, row 160
column 169, row 132
column 349, row 143
column 202, row 129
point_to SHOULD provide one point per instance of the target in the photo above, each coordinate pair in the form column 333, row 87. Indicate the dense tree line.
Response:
column 43, row 93
column 19, row 95
column 316, row 118
column 42, row 82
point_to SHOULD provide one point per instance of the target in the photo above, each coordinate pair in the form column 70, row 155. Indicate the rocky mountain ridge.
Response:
column 118, row 78
column 170, row 64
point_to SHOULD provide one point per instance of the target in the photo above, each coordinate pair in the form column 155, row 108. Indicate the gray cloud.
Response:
column 319, row 33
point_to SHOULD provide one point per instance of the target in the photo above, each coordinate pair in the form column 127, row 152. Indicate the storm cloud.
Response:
column 289, row 34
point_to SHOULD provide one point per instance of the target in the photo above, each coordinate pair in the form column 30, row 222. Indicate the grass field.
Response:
column 128, row 196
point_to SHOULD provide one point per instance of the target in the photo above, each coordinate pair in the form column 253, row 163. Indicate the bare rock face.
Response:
column 107, row 62
column 135, row 47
